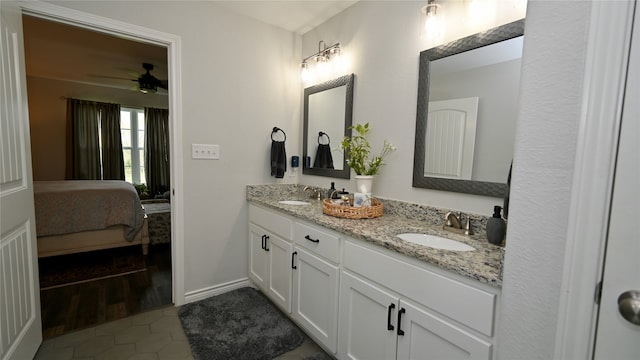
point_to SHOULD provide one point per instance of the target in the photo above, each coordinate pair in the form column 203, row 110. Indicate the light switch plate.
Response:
column 205, row 151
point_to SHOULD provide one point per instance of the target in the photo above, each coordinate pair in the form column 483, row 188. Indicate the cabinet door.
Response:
column 316, row 297
column 367, row 320
column 280, row 275
column 258, row 259
column 427, row 336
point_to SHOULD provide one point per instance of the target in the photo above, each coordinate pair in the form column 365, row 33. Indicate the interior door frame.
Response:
column 609, row 41
column 174, row 55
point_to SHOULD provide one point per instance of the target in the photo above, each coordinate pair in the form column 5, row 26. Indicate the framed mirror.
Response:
column 467, row 108
column 328, row 109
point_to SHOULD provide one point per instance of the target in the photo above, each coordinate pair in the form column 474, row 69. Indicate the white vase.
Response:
column 364, row 184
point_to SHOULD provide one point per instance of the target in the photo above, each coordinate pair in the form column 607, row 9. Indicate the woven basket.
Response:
column 350, row 212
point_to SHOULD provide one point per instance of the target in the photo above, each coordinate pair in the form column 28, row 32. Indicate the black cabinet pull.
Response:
column 266, row 242
column 312, row 240
column 400, row 312
column 391, row 307
column 293, row 260
column 263, row 241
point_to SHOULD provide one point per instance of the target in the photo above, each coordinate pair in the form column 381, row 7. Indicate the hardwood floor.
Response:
column 72, row 307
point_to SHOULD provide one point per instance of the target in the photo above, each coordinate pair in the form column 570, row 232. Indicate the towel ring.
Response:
column 320, row 134
column 275, row 130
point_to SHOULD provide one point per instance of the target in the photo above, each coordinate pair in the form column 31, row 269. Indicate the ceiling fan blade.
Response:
column 109, row 77
column 163, row 84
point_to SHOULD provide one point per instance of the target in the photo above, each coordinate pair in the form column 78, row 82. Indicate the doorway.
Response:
column 115, row 85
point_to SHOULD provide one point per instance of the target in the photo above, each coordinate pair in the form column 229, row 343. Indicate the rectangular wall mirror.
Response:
column 328, row 109
column 467, row 110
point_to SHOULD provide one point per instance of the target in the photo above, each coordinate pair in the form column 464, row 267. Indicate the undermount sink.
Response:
column 436, row 242
column 294, row 202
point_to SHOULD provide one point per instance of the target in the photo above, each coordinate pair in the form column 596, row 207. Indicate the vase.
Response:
column 364, row 184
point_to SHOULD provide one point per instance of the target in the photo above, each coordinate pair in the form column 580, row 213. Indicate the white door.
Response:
column 367, row 320
column 316, row 297
column 280, row 272
column 422, row 335
column 20, row 326
column 618, row 337
column 451, row 138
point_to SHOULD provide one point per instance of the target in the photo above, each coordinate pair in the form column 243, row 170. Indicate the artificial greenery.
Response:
column 358, row 149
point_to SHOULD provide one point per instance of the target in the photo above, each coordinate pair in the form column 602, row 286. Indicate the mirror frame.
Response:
column 347, row 80
column 491, row 36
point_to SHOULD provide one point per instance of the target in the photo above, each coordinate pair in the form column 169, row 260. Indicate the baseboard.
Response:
column 204, row 293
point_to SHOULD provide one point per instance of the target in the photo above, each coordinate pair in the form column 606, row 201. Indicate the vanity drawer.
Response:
column 466, row 304
column 271, row 221
column 321, row 242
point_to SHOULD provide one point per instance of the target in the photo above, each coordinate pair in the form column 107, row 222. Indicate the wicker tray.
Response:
column 350, row 212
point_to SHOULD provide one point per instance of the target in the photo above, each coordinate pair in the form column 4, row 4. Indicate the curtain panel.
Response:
column 83, row 141
column 156, row 162
column 112, row 156
column 87, row 122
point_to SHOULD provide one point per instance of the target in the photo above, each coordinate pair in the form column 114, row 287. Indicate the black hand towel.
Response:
column 278, row 159
column 323, row 159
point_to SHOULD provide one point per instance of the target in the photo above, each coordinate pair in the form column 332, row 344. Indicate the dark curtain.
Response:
column 87, row 123
column 112, row 157
column 83, row 142
column 156, row 162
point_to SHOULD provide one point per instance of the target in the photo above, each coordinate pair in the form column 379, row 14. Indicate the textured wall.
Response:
column 550, row 107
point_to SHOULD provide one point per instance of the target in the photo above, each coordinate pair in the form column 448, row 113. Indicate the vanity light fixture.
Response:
column 432, row 24
column 319, row 65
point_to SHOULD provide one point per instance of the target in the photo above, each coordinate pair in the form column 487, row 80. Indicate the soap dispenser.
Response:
column 496, row 227
column 332, row 193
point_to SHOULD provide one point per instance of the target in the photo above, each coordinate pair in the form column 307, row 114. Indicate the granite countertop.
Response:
column 484, row 264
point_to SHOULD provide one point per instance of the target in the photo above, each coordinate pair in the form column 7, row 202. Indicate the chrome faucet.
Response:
column 453, row 223
column 315, row 193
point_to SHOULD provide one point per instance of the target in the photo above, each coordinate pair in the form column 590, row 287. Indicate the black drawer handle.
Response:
column 263, row 241
column 293, row 260
column 400, row 331
column 312, row 240
column 391, row 307
column 266, row 242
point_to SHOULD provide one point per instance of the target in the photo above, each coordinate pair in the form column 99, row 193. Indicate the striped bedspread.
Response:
column 64, row 207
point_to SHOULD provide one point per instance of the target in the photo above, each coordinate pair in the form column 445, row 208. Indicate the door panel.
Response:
column 618, row 338
column 428, row 336
column 20, row 324
column 364, row 310
column 280, row 275
column 451, row 136
column 257, row 257
column 316, row 305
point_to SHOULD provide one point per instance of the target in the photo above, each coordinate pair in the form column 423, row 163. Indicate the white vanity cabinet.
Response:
column 316, row 282
column 361, row 301
column 392, row 309
column 270, row 248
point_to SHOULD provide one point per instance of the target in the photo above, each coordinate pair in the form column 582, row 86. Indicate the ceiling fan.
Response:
column 148, row 83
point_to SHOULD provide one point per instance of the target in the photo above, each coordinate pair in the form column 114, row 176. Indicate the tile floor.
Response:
column 153, row 335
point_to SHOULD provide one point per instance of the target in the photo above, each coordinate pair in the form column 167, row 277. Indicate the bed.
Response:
column 84, row 215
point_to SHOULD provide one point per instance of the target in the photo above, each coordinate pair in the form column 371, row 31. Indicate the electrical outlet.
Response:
column 205, row 151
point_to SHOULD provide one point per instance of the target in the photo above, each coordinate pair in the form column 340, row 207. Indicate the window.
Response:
column 132, row 131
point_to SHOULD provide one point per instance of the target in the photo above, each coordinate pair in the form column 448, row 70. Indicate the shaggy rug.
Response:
column 240, row 324
column 62, row 270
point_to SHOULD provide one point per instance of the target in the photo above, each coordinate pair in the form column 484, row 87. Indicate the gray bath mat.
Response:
column 241, row 324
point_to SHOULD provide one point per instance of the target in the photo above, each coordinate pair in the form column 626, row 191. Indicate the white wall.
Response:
column 546, row 137
column 239, row 80
column 382, row 42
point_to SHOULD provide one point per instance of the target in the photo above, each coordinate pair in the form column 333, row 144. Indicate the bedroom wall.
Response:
column 382, row 40
column 239, row 79
column 47, row 118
